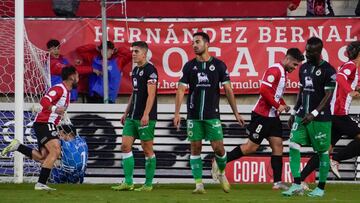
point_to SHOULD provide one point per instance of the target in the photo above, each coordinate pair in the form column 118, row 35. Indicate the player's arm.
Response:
column 182, row 86
column 232, row 101
column 50, row 97
column 297, row 104
column 122, row 120
column 342, row 78
column 151, row 90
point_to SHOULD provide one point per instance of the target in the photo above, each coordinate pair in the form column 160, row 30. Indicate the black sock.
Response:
column 321, row 185
column 44, row 175
column 276, row 165
column 234, row 154
column 297, row 181
column 350, row 151
column 311, row 165
column 25, row 150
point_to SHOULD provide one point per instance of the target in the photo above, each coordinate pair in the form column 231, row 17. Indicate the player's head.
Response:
column 67, row 132
column 353, row 50
column 53, row 47
column 292, row 59
column 200, row 42
column 70, row 75
column 139, row 51
column 313, row 49
column 110, row 49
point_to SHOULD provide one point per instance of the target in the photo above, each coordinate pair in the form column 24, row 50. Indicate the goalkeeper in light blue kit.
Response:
column 74, row 155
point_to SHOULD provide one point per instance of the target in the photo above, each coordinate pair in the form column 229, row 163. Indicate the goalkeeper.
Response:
column 74, row 155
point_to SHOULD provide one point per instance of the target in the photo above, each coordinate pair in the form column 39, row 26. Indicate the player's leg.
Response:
column 320, row 135
column 128, row 137
column 54, row 150
column 276, row 144
column 352, row 130
column 146, row 135
column 298, row 137
column 31, row 153
column 195, row 132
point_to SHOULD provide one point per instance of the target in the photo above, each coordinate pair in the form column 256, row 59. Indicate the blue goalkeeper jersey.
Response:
column 73, row 162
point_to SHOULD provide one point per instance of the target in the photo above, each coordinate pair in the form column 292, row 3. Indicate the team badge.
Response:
column 141, row 73
column 270, row 78
column 318, row 72
column 212, row 68
column 347, row 72
column 52, row 93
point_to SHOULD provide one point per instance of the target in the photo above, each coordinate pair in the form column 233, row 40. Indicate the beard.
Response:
column 75, row 85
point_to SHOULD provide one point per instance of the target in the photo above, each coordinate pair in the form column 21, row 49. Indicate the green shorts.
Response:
column 210, row 129
column 316, row 134
column 134, row 128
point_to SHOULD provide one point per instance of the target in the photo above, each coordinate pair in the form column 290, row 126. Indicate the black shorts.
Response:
column 261, row 127
column 45, row 132
column 343, row 125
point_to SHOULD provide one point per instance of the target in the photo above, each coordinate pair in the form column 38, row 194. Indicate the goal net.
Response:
column 36, row 82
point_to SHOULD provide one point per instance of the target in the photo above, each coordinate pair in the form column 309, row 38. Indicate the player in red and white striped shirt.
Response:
column 347, row 80
column 265, row 122
column 54, row 105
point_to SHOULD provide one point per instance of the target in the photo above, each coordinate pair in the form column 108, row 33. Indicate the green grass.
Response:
column 181, row 193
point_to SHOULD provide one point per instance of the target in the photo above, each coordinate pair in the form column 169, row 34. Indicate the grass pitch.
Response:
column 180, row 193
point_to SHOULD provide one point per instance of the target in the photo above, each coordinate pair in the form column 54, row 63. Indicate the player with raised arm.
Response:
column 312, row 123
column 139, row 119
column 54, row 104
column 265, row 121
column 202, row 75
column 346, row 88
column 74, row 155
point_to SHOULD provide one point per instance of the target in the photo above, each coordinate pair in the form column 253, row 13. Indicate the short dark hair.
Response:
column 203, row 35
column 295, row 53
column 314, row 41
column 52, row 43
column 67, row 71
column 353, row 50
column 140, row 44
column 110, row 45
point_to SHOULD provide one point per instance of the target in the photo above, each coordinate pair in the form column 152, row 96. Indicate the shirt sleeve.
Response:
column 152, row 76
column 270, row 78
column 346, row 73
column 224, row 74
column 330, row 79
column 185, row 78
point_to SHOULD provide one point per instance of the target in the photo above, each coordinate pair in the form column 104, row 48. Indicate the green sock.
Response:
column 128, row 165
column 150, row 166
column 196, row 168
column 295, row 160
column 221, row 162
column 324, row 166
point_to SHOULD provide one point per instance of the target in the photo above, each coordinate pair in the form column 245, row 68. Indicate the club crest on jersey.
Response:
column 202, row 78
column 52, row 93
column 212, row 67
column 347, row 72
column 141, row 73
column 318, row 72
column 134, row 82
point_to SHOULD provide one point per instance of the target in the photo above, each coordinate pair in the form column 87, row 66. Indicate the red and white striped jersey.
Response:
column 271, row 91
column 57, row 95
column 346, row 81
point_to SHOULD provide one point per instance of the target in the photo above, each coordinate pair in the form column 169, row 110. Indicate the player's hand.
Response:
column 78, row 61
column 307, row 119
column 97, row 72
column 281, row 108
column 240, row 119
column 287, row 109
column 292, row 7
column 291, row 121
column 354, row 94
column 122, row 119
column 144, row 120
column 176, row 121
column 60, row 110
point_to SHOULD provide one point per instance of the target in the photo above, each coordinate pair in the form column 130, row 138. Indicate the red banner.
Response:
column 258, row 170
column 247, row 47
